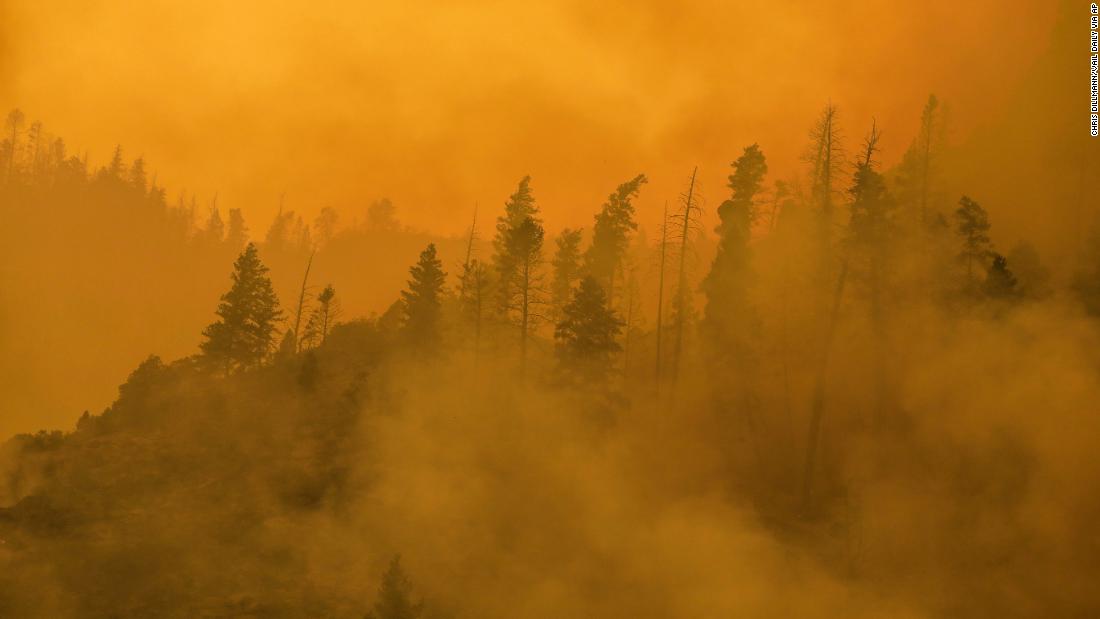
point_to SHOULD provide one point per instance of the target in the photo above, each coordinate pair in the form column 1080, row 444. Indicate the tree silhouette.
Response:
column 611, row 234
column 566, row 269
column 245, row 332
column 999, row 283
column 519, row 208
column 587, row 334
column 517, row 256
column 324, row 314
column 972, row 225
column 423, row 299
column 728, row 318
column 395, row 596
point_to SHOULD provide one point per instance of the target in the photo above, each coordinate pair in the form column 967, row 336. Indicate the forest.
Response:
column 839, row 392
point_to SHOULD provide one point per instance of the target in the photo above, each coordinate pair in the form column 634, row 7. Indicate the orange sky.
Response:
column 441, row 104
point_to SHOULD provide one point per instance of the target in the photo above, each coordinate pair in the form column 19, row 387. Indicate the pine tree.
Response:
column 611, row 234
column 972, row 225
column 137, row 175
column 324, row 314
column 587, row 334
column 1000, row 283
column 566, row 269
column 13, row 124
column 237, row 233
column 518, row 258
column 917, row 171
column 214, row 231
column 114, row 169
column 870, row 231
column 395, row 599
column 245, row 332
column 518, row 209
column 826, row 158
column 423, row 299
column 728, row 317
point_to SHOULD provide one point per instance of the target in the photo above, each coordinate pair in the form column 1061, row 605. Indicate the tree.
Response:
column 518, row 258
column 870, row 230
column 916, row 173
column 324, row 314
column 245, row 331
column 1000, row 283
column 14, row 125
column 115, row 167
column 324, row 226
column 662, row 253
column 972, row 225
column 826, row 158
column 214, row 231
column 611, row 234
column 519, row 208
column 395, row 596
column 473, row 297
column 587, row 335
column 237, row 234
column 423, row 299
column 382, row 216
column 298, row 312
column 686, row 223
column 728, row 317
column 566, row 269
column 137, row 175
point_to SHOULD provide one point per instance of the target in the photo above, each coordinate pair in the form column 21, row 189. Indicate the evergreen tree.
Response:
column 518, row 258
column 395, row 599
column 245, row 331
column 519, row 208
column 611, row 234
column 114, row 169
column 137, row 175
column 13, row 124
column 423, row 299
column 1000, row 283
column 587, row 334
column 237, row 234
column 728, row 317
column 917, row 171
column 324, row 314
column 214, row 232
column 972, row 225
column 566, row 268
column 826, row 158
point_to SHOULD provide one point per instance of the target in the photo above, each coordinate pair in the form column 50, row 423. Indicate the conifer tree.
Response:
column 13, row 124
column 999, row 283
column 518, row 259
column 324, row 314
column 917, row 172
column 518, row 209
column 566, row 268
column 611, row 234
column 423, row 299
column 587, row 334
column 972, row 225
column 237, row 233
column 214, row 231
column 395, row 598
column 826, row 158
column 245, row 331
column 728, row 317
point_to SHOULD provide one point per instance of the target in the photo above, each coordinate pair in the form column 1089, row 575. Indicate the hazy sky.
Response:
column 441, row 105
